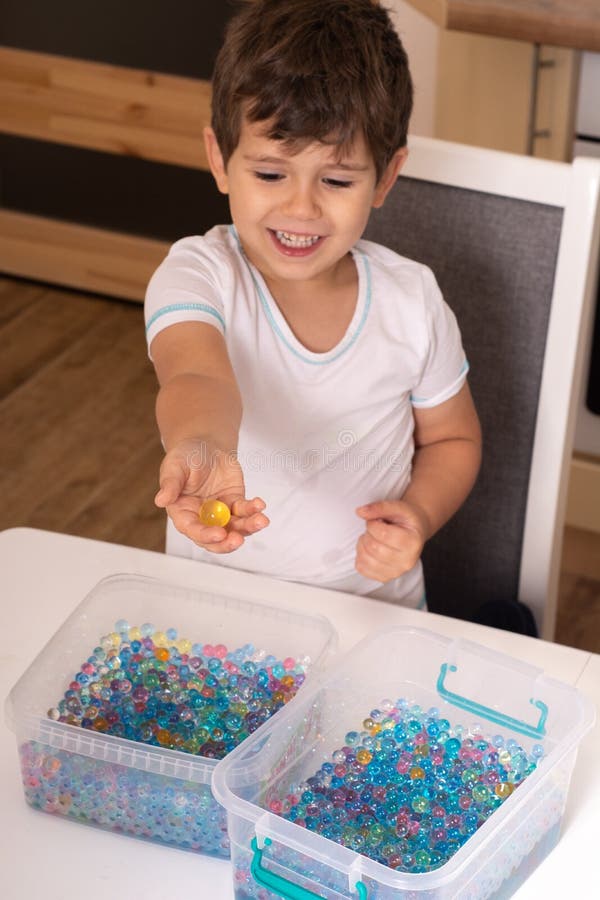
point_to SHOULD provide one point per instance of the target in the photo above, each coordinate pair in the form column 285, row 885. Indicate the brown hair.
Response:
column 318, row 70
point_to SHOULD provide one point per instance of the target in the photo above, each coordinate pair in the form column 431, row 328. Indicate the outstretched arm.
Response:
column 199, row 410
column 445, row 466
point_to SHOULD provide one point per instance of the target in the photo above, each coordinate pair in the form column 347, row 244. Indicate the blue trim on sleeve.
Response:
column 183, row 307
column 272, row 322
column 413, row 399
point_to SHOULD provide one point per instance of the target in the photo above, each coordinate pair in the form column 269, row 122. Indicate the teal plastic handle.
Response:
column 533, row 731
column 281, row 886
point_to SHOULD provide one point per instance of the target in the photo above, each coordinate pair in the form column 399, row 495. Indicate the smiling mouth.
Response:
column 296, row 241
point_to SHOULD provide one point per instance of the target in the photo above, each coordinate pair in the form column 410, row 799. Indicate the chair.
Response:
column 513, row 242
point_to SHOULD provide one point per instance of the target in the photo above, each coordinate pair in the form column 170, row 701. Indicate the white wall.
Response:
column 420, row 37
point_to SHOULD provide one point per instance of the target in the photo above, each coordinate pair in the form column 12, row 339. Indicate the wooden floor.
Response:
column 80, row 451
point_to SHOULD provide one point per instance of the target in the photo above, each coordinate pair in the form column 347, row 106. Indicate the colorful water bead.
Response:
column 167, row 691
column 408, row 790
column 214, row 512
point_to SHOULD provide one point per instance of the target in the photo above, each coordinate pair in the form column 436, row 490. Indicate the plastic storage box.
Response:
column 128, row 786
column 471, row 687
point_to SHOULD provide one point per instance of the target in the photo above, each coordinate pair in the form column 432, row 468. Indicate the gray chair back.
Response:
column 494, row 258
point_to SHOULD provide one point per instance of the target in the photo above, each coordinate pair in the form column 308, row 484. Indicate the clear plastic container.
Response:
column 471, row 687
column 128, row 786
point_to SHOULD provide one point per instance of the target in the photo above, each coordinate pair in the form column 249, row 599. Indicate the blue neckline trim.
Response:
column 178, row 307
column 276, row 328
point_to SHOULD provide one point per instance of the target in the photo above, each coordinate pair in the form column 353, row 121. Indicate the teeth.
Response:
column 296, row 240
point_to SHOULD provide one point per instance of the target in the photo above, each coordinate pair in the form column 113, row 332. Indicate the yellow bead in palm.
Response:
column 214, row 512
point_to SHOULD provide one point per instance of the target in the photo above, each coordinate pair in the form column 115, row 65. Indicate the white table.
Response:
column 45, row 575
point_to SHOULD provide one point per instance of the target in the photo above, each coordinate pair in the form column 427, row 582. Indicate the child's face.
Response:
column 298, row 214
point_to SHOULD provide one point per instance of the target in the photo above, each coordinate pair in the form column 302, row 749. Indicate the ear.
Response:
column 215, row 160
column 388, row 179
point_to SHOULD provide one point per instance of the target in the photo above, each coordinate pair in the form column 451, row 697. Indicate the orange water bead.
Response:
column 371, row 726
column 214, row 512
column 504, row 789
column 162, row 653
column 363, row 757
column 163, row 737
column 417, row 772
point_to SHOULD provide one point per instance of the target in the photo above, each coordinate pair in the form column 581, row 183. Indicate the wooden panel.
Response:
column 558, row 84
column 109, row 108
column 583, row 503
column 562, row 23
column 581, row 553
column 87, row 258
column 483, row 95
column 485, row 90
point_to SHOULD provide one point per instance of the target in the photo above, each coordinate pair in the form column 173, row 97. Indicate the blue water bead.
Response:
column 452, row 746
column 537, row 751
column 400, row 732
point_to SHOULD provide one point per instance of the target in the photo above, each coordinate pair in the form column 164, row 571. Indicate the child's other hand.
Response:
column 191, row 473
column 392, row 543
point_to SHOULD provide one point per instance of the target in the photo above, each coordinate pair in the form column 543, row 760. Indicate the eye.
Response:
column 268, row 176
column 337, row 183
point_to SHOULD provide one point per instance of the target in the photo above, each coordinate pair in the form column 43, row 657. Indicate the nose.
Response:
column 301, row 201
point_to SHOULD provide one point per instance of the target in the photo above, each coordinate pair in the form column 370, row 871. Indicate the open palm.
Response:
column 191, row 473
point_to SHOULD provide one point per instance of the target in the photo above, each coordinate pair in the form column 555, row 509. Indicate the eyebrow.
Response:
column 278, row 160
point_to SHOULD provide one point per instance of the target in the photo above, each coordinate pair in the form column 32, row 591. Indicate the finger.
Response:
column 376, row 561
column 172, row 478
column 382, row 509
column 243, row 508
column 212, row 537
column 370, row 568
column 231, row 542
column 392, row 536
column 249, row 524
column 376, row 551
column 170, row 489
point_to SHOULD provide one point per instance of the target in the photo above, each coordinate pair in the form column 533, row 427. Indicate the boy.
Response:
column 298, row 365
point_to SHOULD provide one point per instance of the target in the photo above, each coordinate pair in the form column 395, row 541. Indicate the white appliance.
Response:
column 587, row 143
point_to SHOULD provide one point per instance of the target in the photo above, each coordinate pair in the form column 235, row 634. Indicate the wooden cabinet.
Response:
column 506, row 94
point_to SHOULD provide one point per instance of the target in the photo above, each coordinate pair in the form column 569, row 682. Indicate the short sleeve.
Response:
column 186, row 287
column 445, row 367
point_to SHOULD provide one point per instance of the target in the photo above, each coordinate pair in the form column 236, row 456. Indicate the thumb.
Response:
column 172, row 480
column 381, row 509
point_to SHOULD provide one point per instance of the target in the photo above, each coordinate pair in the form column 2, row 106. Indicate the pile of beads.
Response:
column 158, row 689
column 124, row 799
column 408, row 789
column 154, row 687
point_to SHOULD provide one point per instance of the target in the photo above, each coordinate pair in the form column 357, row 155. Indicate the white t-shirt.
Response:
column 321, row 433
